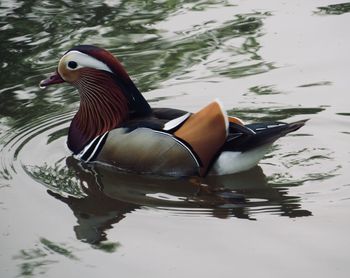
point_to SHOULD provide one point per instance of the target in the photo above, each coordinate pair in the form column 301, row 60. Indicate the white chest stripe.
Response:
column 92, row 147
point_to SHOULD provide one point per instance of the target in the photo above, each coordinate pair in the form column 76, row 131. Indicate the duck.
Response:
column 115, row 125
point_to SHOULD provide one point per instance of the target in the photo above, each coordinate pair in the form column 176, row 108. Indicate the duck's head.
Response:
column 83, row 60
column 94, row 70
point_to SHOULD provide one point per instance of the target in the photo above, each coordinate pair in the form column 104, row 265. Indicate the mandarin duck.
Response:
column 115, row 125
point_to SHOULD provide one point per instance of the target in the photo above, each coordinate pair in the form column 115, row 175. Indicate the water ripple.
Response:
column 29, row 136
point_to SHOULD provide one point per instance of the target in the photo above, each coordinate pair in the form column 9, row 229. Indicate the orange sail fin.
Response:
column 206, row 132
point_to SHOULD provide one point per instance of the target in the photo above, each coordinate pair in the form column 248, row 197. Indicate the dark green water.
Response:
column 275, row 60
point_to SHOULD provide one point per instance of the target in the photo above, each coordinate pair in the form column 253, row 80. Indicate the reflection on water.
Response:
column 335, row 9
column 37, row 260
column 101, row 197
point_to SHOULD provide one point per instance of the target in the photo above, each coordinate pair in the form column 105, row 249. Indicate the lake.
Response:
column 265, row 60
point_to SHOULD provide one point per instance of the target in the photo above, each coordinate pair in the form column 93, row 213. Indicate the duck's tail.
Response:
column 295, row 126
column 243, row 151
column 265, row 133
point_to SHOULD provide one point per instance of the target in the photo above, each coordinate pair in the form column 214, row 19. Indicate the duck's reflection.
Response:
column 111, row 195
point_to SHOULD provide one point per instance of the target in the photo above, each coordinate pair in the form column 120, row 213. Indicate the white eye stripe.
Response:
column 83, row 60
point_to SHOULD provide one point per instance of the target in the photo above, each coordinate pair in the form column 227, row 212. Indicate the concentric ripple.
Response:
column 33, row 143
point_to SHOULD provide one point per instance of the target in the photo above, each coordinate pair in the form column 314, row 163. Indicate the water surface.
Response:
column 266, row 60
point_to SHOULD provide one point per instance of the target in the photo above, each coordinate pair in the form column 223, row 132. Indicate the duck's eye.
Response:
column 72, row 64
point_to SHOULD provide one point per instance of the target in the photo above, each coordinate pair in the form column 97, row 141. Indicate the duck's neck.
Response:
column 103, row 107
